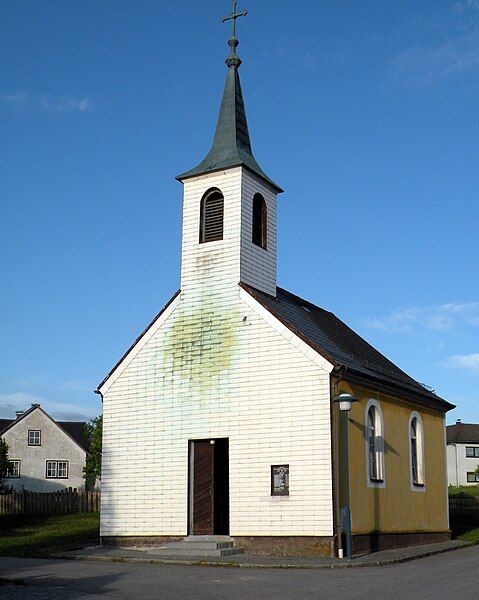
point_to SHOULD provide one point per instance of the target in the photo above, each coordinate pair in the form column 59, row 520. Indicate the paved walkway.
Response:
column 147, row 555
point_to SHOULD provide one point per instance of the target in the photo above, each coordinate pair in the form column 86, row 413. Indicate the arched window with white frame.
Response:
column 374, row 435
column 416, row 451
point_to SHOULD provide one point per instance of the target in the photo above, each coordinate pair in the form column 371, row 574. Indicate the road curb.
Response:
column 223, row 564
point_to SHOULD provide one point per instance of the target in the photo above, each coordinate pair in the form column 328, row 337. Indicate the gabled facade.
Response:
column 45, row 455
column 462, row 453
column 219, row 419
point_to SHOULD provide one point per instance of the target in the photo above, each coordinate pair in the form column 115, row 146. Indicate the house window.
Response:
column 62, row 469
column 51, row 469
column 212, row 216
column 472, row 452
column 259, row 221
column 416, row 450
column 57, row 469
column 13, row 470
column 472, row 478
column 374, row 439
column 34, row 437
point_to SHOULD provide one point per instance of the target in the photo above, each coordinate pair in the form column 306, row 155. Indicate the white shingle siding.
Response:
column 235, row 258
column 256, row 388
column 258, row 265
column 217, row 364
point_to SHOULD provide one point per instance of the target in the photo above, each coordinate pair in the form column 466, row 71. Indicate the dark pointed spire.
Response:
column 231, row 145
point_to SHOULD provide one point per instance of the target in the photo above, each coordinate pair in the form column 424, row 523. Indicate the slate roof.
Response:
column 463, row 433
column 76, row 430
column 339, row 344
column 4, row 423
column 231, row 145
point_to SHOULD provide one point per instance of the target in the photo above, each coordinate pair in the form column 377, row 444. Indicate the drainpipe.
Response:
column 457, row 471
column 338, row 374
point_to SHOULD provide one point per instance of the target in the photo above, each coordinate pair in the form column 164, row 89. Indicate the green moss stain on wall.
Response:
column 200, row 346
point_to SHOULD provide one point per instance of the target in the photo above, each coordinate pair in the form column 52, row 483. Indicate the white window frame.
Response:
column 56, row 471
column 380, row 481
column 475, row 477
column 420, row 484
column 16, row 468
column 475, row 451
column 34, row 431
column 62, row 462
column 54, row 463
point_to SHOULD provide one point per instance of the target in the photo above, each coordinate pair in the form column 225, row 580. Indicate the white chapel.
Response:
column 219, row 419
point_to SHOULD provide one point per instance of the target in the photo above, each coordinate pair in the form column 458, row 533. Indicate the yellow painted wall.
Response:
column 396, row 508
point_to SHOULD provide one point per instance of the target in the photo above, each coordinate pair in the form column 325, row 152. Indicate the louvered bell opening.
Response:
column 212, row 218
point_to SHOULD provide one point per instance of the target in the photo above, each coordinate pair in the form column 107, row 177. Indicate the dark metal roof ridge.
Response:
column 138, row 339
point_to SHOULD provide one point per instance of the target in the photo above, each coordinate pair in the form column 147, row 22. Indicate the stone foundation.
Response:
column 373, row 542
column 298, row 545
column 294, row 545
column 144, row 541
column 261, row 545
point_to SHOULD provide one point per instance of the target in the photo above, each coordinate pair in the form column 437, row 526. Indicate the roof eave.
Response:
column 194, row 173
column 137, row 340
column 402, row 392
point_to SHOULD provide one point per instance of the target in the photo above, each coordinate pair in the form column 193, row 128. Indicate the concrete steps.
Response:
column 198, row 546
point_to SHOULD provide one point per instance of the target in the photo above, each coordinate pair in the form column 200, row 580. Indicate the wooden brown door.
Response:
column 203, row 488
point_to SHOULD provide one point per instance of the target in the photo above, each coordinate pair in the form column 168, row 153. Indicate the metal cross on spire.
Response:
column 233, row 59
column 233, row 16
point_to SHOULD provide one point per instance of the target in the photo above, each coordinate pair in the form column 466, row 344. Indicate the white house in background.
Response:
column 462, row 453
column 46, row 455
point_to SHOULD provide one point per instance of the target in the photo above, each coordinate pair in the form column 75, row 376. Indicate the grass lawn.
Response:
column 44, row 535
column 471, row 535
column 465, row 526
column 470, row 490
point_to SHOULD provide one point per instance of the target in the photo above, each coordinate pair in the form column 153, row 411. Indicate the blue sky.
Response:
column 366, row 113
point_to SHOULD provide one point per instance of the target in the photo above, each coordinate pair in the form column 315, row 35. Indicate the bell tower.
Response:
column 229, row 203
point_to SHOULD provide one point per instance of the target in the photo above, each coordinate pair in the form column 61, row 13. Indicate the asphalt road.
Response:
column 451, row 575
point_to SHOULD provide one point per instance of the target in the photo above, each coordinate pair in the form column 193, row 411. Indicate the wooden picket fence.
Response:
column 62, row 502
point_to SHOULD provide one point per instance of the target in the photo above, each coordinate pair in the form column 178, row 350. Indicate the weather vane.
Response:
column 233, row 59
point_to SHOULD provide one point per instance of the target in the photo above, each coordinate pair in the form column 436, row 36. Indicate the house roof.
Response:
column 231, row 145
column 344, row 348
column 74, row 429
column 463, row 433
column 4, row 423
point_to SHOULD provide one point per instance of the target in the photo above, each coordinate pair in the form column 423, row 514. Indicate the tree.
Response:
column 4, row 465
column 92, row 468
